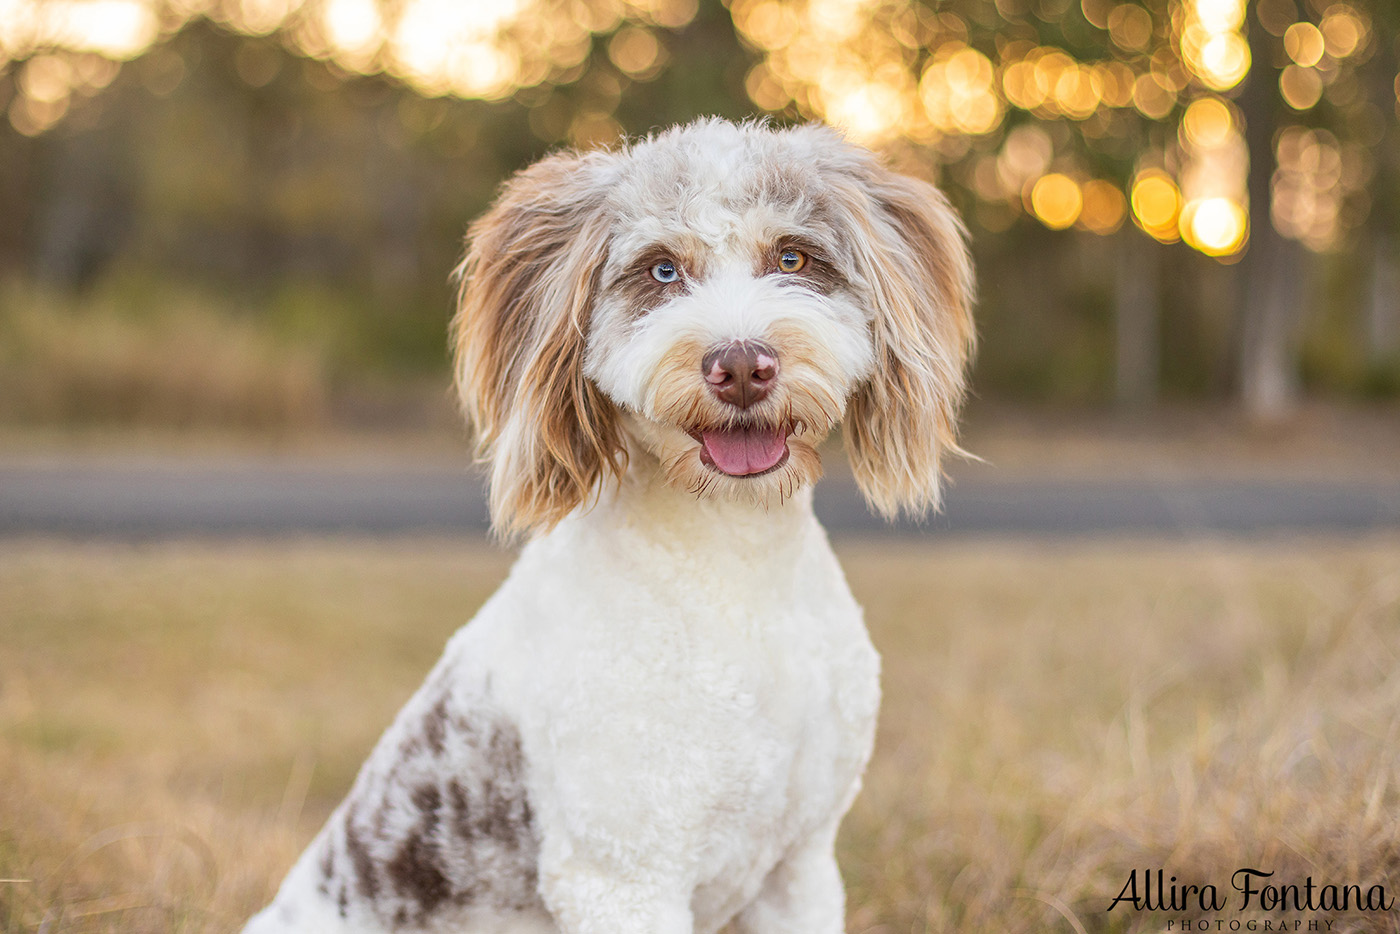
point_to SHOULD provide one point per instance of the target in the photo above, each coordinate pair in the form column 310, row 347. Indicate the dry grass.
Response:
column 176, row 721
column 1057, row 717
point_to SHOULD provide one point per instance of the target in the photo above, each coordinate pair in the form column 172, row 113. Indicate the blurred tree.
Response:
column 1239, row 135
column 289, row 140
column 266, row 147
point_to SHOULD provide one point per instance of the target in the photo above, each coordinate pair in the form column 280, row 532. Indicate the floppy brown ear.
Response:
column 528, row 284
column 913, row 248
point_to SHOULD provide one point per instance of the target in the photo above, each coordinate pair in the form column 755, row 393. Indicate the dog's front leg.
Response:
column 802, row 895
column 614, row 860
column 586, row 897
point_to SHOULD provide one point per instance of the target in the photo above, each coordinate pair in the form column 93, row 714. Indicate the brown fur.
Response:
column 900, row 423
column 527, row 289
column 817, row 273
column 643, row 292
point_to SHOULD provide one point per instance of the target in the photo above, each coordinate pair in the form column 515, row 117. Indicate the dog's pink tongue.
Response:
column 742, row 451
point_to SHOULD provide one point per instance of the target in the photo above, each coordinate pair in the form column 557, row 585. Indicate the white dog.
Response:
column 657, row 723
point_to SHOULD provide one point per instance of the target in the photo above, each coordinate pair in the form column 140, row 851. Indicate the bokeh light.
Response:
column 1316, row 177
column 1212, row 45
column 119, row 29
column 1304, row 44
column 636, row 52
column 1156, row 204
column 1130, row 27
column 1342, row 30
column 1207, row 122
column 1215, row 226
column 1213, row 178
column 353, row 28
column 1104, row 207
column 1153, row 99
column 957, row 91
column 486, row 49
column 849, row 62
column 1300, row 87
column 1057, row 201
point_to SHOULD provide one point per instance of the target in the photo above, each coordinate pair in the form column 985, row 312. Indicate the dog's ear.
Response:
column 913, row 249
column 528, row 285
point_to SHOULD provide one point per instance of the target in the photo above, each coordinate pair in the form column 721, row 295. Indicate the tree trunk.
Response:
column 1136, row 300
column 1271, row 272
column 1383, row 304
column 1268, row 366
column 1382, row 327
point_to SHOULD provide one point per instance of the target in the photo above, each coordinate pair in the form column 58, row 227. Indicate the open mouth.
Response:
column 744, row 450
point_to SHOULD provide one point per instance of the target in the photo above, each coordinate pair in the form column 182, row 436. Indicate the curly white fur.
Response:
column 659, row 720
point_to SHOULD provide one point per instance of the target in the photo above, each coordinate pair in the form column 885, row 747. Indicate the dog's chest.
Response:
column 761, row 707
column 740, row 723
column 799, row 733
column 712, row 710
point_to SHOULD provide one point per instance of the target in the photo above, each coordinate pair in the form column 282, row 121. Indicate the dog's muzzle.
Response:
column 741, row 374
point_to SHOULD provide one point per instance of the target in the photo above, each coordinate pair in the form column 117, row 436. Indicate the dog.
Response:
column 658, row 721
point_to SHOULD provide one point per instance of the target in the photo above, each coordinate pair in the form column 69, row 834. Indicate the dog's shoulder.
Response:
column 439, row 820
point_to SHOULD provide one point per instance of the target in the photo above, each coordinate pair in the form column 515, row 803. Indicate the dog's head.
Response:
column 718, row 296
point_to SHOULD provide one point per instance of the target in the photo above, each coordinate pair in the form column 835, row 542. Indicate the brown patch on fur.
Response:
column 498, row 811
column 327, row 870
column 420, row 848
column 461, row 809
column 366, row 879
column 435, row 726
column 642, row 291
column 528, row 285
column 427, row 798
column 415, row 871
column 415, row 874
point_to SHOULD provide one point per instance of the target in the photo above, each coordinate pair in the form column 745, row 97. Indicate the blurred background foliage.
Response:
column 246, row 212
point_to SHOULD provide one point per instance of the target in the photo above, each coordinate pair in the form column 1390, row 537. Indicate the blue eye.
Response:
column 665, row 271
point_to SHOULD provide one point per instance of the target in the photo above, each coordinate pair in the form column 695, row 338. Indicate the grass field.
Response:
column 177, row 719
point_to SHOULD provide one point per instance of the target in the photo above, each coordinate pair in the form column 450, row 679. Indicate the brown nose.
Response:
column 741, row 373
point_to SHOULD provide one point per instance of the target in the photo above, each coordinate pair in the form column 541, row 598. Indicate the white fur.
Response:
column 658, row 721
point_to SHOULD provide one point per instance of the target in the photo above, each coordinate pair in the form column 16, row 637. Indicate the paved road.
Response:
column 144, row 499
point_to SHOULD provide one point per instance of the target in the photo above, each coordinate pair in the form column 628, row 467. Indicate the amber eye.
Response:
column 792, row 260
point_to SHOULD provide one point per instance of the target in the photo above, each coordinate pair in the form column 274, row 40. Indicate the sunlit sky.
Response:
column 887, row 71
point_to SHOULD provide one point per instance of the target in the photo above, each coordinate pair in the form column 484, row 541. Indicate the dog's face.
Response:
column 718, row 297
